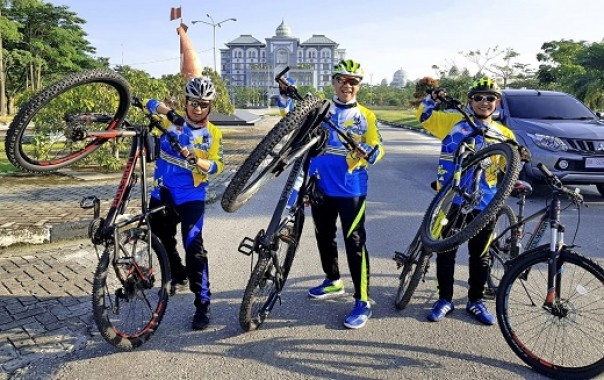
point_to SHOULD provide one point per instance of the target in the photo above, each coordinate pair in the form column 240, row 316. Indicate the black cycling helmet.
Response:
column 484, row 86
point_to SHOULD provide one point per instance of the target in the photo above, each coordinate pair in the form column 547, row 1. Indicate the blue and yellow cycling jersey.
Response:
column 340, row 172
column 285, row 104
column 187, row 182
column 451, row 129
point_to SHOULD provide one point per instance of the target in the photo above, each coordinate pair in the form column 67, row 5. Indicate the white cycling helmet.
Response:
column 200, row 88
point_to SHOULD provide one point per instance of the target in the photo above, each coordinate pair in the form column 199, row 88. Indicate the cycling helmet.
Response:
column 349, row 68
column 484, row 85
column 200, row 88
column 290, row 81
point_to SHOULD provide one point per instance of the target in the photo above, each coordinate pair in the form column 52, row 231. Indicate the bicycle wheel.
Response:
column 269, row 157
column 500, row 249
column 563, row 341
column 265, row 284
column 130, row 290
column 41, row 139
column 451, row 219
column 414, row 268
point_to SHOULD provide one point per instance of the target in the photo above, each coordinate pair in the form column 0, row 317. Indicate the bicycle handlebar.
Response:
column 349, row 141
column 555, row 182
column 155, row 122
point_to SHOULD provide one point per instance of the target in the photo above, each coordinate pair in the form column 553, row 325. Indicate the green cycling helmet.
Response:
column 485, row 86
column 349, row 68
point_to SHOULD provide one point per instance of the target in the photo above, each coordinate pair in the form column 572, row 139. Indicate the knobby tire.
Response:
column 568, row 346
column 464, row 230
column 39, row 139
column 412, row 273
column 261, row 286
column 140, row 315
column 262, row 163
column 500, row 249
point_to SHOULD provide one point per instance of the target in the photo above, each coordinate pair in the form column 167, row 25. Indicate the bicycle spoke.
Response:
column 568, row 334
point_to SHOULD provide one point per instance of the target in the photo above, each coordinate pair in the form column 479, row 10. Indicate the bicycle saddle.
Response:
column 521, row 187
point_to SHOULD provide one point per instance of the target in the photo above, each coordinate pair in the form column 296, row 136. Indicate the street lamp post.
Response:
column 214, row 25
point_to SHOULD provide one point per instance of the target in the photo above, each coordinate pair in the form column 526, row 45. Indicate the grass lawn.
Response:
column 5, row 165
column 397, row 115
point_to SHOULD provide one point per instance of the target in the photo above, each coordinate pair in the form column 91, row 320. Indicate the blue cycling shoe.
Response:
column 479, row 311
column 440, row 310
column 359, row 315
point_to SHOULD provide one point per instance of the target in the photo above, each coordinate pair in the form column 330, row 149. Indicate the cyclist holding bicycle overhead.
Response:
column 342, row 176
column 182, row 186
column 284, row 101
column 483, row 97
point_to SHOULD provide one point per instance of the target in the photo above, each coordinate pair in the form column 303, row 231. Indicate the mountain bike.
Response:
column 131, row 281
column 550, row 300
column 290, row 144
column 43, row 138
column 451, row 218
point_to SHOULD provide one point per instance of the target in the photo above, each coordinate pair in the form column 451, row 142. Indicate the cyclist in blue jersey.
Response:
column 483, row 97
column 284, row 102
column 182, row 186
column 342, row 177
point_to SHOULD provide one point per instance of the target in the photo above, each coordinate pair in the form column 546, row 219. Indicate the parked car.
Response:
column 560, row 132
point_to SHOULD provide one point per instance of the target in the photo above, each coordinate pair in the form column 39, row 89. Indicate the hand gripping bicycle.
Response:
column 276, row 246
column 461, row 208
column 550, row 301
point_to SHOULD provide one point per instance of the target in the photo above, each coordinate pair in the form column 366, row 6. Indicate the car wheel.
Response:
column 600, row 188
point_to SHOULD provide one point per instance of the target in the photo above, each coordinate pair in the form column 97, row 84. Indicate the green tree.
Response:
column 51, row 44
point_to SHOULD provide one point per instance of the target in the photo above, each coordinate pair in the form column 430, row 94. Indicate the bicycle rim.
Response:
column 128, row 307
column 270, row 156
column 449, row 220
column 500, row 249
column 568, row 343
column 39, row 138
column 266, row 283
column 413, row 271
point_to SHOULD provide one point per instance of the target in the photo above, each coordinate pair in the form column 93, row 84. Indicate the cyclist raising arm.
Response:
column 183, row 186
column 284, row 101
column 483, row 97
column 342, row 176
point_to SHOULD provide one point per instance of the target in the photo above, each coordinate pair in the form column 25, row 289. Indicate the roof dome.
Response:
column 283, row 30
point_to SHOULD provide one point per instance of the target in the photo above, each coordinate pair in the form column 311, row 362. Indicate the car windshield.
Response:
column 552, row 107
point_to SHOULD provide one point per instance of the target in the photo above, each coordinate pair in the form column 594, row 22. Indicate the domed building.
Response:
column 399, row 79
column 249, row 62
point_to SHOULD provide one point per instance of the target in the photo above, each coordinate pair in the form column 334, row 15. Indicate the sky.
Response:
column 384, row 36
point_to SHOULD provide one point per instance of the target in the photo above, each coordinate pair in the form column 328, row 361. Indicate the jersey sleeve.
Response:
column 438, row 123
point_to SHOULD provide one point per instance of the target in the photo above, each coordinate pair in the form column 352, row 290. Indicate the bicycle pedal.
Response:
column 247, row 246
column 400, row 258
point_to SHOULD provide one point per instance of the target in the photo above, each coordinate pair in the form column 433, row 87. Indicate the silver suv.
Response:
column 560, row 132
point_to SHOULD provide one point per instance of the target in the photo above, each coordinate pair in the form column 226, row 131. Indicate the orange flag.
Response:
column 189, row 63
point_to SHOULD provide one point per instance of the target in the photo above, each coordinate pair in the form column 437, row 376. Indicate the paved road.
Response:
column 46, row 328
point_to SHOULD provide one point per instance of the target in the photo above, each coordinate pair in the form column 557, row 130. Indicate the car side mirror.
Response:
column 599, row 115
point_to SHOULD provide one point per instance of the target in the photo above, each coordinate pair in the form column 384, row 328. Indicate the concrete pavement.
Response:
column 45, row 309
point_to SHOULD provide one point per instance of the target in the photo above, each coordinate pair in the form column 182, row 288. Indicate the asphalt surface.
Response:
column 45, row 307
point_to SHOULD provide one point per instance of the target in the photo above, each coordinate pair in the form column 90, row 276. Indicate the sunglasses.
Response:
column 195, row 104
column 480, row 98
column 350, row 81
